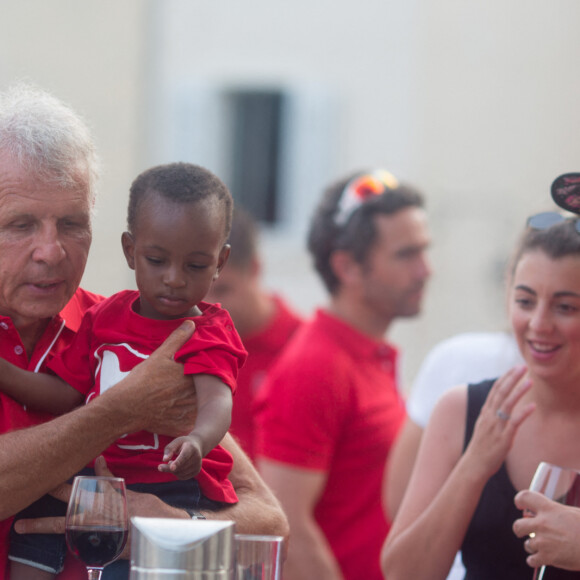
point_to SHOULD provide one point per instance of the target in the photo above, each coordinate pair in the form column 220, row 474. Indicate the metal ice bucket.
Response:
column 164, row 549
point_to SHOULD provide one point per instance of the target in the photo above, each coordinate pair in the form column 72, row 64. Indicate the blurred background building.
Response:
column 476, row 103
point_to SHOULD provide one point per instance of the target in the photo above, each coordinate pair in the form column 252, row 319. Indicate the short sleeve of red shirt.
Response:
column 217, row 349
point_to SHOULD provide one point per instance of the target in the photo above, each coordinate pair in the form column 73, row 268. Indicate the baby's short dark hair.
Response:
column 181, row 183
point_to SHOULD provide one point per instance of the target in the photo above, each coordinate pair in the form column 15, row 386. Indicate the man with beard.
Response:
column 330, row 409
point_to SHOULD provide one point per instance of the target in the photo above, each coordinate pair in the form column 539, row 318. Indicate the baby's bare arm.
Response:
column 214, row 411
column 213, row 421
column 38, row 391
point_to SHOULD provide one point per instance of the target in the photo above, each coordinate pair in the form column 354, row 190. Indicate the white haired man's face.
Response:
column 45, row 236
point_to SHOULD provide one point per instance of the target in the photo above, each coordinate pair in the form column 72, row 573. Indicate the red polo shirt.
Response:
column 331, row 404
column 58, row 335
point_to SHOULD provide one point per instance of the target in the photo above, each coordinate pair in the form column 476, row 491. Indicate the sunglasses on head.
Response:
column 547, row 219
column 565, row 191
column 361, row 189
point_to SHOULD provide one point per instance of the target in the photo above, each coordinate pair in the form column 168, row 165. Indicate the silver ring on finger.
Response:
column 528, row 546
column 502, row 415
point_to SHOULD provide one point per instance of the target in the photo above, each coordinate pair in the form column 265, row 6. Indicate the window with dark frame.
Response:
column 254, row 150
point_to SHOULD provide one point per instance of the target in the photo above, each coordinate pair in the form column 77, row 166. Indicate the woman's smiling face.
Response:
column 544, row 308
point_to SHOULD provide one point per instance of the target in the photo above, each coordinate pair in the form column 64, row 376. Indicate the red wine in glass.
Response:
column 97, row 521
column 97, row 546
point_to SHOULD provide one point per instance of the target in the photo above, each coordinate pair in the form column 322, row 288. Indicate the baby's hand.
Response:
column 187, row 464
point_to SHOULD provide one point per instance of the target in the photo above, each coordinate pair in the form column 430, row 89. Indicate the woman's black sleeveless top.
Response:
column 490, row 550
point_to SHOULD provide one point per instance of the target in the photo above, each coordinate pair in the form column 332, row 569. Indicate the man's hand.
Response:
column 48, row 525
column 187, row 464
column 55, row 525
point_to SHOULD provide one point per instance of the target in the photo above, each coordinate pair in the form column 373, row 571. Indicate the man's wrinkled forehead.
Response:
column 21, row 187
column 74, row 177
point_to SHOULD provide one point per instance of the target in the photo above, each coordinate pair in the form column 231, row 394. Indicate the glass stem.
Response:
column 539, row 573
column 95, row 573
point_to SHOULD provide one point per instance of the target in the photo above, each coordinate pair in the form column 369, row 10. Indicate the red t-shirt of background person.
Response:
column 264, row 347
column 330, row 403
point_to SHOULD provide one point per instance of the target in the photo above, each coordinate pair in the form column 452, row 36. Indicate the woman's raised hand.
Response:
column 499, row 420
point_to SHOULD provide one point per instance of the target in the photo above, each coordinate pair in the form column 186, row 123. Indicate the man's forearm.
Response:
column 37, row 459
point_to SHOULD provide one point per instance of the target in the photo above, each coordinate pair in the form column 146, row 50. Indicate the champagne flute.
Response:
column 97, row 522
column 557, row 483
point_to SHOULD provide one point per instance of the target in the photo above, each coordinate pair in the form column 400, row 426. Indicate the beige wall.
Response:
column 497, row 121
column 475, row 102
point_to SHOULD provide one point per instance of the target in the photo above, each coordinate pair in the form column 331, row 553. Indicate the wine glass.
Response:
column 97, row 521
column 560, row 484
